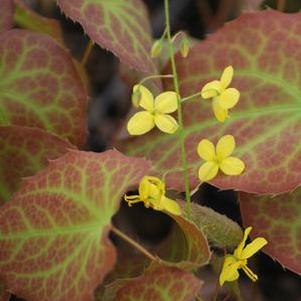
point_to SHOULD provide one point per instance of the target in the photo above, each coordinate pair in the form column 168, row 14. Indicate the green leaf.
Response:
column 6, row 15
column 277, row 219
column 158, row 283
column 23, row 152
column 54, row 241
column 266, row 122
column 187, row 248
column 26, row 18
column 220, row 230
column 39, row 86
column 117, row 25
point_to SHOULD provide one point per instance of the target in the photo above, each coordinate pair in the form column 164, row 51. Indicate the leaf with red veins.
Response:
column 266, row 122
column 278, row 220
column 158, row 283
column 117, row 25
column 23, row 152
column 4, row 295
column 6, row 15
column 26, row 18
column 39, row 86
column 54, row 241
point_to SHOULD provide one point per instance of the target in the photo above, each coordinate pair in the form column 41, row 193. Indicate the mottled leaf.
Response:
column 220, row 231
column 6, row 14
column 39, row 85
column 119, row 26
column 251, row 5
column 26, row 18
column 23, row 152
column 266, row 123
column 187, row 248
column 278, row 219
column 4, row 295
column 54, row 232
column 157, row 283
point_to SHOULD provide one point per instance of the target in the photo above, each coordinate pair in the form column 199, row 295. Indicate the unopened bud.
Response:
column 156, row 48
column 136, row 96
column 184, row 46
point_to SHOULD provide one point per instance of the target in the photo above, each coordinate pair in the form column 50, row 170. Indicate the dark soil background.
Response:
column 110, row 103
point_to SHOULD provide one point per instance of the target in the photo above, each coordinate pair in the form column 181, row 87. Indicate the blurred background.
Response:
column 110, row 104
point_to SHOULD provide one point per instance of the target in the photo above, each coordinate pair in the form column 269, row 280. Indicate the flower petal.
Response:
column 146, row 99
column 225, row 147
column 220, row 113
column 253, row 247
column 208, row 171
column 229, row 98
column 240, row 247
column 171, row 206
column 229, row 270
column 166, row 102
column 166, row 123
column 140, row 123
column 232, row 166
column 211, row 89
column 206, row 150
column 227, row 76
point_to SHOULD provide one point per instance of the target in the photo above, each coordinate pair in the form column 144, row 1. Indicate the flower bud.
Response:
column 184, row 46
column 156, row 48
column 136, row 96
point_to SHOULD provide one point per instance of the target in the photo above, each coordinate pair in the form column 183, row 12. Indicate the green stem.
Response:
column 155, row 76
column 191, row 96
column 180, row 114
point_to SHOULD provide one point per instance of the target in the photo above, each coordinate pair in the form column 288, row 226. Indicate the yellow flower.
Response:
column 152, row 194
column 224, row 98
column 218, row 158
column 239, row 259
column 155, row 114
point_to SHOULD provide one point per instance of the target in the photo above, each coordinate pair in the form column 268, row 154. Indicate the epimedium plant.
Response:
column 222, row 96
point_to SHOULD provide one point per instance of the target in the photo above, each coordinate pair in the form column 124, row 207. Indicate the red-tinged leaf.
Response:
column 26, row 18
column 4, row 295
column 39, row 85
column 6, row 14
column 266, row 122
column 157, row 283
column 188, row 248
column 119, row 26
column 278, row 219
column 54, row 232
column 23, row 152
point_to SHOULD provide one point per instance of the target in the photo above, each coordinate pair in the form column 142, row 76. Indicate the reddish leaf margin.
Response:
column 278, row 219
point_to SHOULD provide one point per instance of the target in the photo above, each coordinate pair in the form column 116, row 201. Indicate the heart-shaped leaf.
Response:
column 278, row 219
column 26, row 18
column 158, row 283
column 23, row 152
column 39, row 85
column 266, row 123
column 119, row 26
column 54, row 232
column 6, row 15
